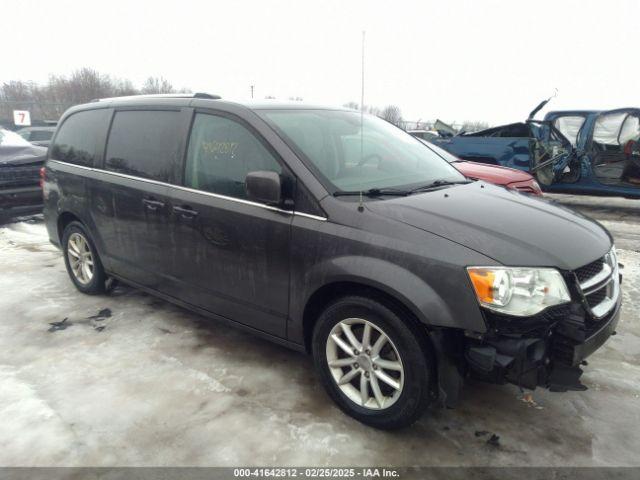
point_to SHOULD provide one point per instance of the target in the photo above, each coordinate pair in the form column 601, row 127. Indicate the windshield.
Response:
column 358, row 154
column 449, row 157
column 12, row 139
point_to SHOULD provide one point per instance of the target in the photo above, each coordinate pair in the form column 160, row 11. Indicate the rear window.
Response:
column 40, row 135
column 144, row 144
column 79, row 136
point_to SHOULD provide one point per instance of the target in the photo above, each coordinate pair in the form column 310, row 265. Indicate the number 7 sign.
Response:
column 22, row 118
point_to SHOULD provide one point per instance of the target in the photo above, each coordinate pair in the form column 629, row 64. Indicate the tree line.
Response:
column 49, row 100
column 393, row 115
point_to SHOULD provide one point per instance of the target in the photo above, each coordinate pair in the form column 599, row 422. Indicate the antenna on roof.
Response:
column 360, row 204
column 362, row 88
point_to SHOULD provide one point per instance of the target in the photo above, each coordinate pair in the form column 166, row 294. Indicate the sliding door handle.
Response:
column 152, row 205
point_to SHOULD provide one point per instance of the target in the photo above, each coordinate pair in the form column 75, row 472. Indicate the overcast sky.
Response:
column 456, row 60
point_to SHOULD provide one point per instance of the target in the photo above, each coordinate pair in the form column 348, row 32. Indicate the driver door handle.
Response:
column 185, row 212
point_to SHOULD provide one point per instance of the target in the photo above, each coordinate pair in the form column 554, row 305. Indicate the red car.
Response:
column 506, row 177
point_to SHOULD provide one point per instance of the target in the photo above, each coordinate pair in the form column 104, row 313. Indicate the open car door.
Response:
column 614, row 148
column 553, row 156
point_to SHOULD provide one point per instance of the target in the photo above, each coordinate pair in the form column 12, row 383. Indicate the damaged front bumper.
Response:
column 545, row 351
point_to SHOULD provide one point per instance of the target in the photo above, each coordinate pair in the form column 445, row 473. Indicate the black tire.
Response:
column 96, row 285
column 406, row 339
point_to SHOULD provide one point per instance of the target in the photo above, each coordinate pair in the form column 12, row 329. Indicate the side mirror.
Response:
column 264, row 187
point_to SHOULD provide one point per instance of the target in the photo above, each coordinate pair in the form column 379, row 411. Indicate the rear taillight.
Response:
column 42, row 177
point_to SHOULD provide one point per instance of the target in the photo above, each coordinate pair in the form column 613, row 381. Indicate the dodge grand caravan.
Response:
column 336, row 234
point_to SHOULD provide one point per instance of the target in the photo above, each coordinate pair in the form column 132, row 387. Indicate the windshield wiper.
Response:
column 378, row 192
column 439, row 183
column 373, row 192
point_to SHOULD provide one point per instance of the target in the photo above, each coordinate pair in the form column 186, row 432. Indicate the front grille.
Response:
column 589, row 271
column 596, row 298
column 599, row 284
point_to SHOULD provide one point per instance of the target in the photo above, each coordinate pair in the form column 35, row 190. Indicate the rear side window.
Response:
column 79, row 136
column 145, row 144
column 221, row 153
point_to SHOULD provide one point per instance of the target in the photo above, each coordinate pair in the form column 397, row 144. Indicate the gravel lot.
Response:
column 147, row 383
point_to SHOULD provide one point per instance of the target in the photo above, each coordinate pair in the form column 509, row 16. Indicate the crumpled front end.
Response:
column 544, row 350
column 547, row 349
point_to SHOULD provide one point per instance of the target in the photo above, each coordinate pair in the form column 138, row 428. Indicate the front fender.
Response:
column 403, row 285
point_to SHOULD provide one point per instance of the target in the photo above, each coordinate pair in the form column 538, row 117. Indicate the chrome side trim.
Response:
column 132, row 177
column 308, row 215
column 598, row 278
column 192, row 190
column 82, row 167
column 231, row 199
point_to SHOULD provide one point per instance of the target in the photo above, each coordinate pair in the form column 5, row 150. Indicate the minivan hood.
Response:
column 511, row 228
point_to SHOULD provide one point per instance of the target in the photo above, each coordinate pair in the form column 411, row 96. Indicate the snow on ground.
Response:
column 149, row 383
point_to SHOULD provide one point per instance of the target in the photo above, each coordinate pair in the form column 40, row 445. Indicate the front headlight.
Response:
column 518, row 291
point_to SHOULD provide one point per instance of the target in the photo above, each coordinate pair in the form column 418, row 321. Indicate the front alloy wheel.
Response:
column 374, row 361
column 365, row 364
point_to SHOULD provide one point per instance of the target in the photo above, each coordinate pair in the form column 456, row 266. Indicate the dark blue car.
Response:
column 583, row 151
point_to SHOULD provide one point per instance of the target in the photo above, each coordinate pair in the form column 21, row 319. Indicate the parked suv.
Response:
column 20, row 167
column 333, row 234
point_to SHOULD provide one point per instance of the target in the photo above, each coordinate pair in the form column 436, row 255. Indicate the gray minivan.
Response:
column 333, row 233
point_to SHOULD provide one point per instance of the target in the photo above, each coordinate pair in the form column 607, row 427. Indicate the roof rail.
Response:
column 162, row 95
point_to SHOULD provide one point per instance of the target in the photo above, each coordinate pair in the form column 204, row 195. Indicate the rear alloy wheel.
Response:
column 82, row 260
column 372, row 363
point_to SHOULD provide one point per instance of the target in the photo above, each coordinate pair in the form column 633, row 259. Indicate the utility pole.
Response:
column 252, row 91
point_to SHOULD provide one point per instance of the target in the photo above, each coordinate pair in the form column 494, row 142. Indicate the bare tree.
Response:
column 352, row 105
column 157, row 85
column 370, row 109
column 50, row 100
column 392, row 114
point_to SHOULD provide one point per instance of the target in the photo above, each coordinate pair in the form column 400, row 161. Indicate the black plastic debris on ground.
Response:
column 55, row 326
column 493, row 440
column 91, row 321
column 101, row 315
